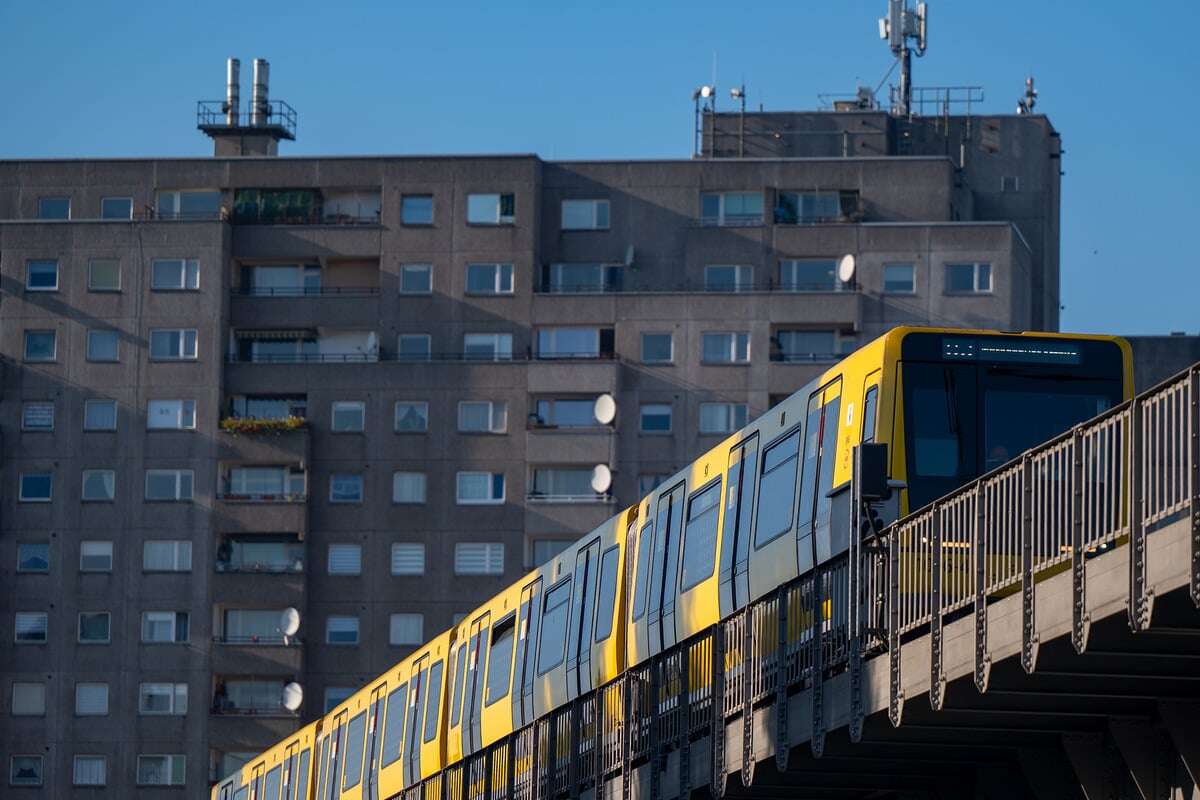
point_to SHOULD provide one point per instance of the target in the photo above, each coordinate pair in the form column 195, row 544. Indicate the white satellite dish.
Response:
column 845, row 268
column 289, row 621
column 605, row 409
column 601, row 478
column 292, row 696
column 706, row 91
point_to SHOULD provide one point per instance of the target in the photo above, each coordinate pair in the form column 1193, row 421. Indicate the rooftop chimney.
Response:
column 255, row 134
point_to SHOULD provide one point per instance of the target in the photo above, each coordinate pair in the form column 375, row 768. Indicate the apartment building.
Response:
column 366, row 389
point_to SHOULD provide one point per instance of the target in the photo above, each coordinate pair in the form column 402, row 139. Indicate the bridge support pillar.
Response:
column 1182, row 721
column 1087, row 754
column 1146, row 755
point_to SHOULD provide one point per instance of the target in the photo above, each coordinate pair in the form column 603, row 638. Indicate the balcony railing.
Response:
column 259, row 640
column 262, row 497
column 305, row 358
column 228, row 709
column 262, row 216
column 274, row 567
column 703, row 287
column 211, row 115
column 805, row 358
column 574, row 499
column 305, row 291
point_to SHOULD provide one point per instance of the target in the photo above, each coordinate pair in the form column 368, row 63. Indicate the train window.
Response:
column 778, row 492
column 829, row 437
column 322, row 765
column 666, row 547
column 608, row 593
column 458, row 687
column 554, row 626
column 500, row 666
column 435, row 698
column 393, row 725
column 643, row 571
column 337, row 756
column 352, row 773
column 868, row 423
column 808, row 473
column 301, row 782
column 241, row 793
column 700, row 536
column 271, row 785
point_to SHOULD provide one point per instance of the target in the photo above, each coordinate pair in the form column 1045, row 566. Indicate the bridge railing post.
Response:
column 1080, row 622
column 1194, row 476
column 1138, row 618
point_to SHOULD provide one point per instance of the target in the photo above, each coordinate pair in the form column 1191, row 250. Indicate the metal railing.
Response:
column 305, row 291
column 211, row 115
column 295, row 565
column 1105, row 483
column 260, row 640
column 574, row 499
column 262, row 497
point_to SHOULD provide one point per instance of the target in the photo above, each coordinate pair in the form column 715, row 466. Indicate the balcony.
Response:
column 264, row 441
column 306, row 207
column 305, row 346
column 243, row 655
column 261, row 510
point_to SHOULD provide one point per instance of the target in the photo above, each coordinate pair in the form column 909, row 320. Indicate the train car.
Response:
column 283, row 772
column 760, row 509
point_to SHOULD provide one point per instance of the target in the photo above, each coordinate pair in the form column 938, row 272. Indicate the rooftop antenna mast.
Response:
column 898, row 27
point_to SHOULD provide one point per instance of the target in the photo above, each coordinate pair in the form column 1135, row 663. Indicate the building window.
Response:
column 171, row 415
column 270, row 406
column 657, row 348
column 99, row 485
column 563, row 484
column 25, row 771
column 94, row 627
column 969, row 278
column 349, row 416
column 174, row 274
column 479, row 488
column 731, row 347
column 167, row 555
column 33, row 557
column 722, row 417
column 411, row 416
column 345, row 487
column 413, row 347
column 163, row 699
column 345, row 559
column 408, row 558
column 808, row 345
column 30, row 627
column 416, row 209
column 54, row 208
column 491, row 209
column 575, row 342
column 582, row 278
column 567, row 412
column 655, row 418
column 41, row 276
column 811, row 275
column 173, row 345
column 482, row 416
column 164, row 627
column 489, row 278
column 36, row 487
column 104, row 275
column 99, row 415
column 28, row 699
column 728, row 278
column 102, row 346
column 479, row 558
column 585, row 215
column 336, row 695
column 543, row 550
column 416, row 278
column 806, row 208
column 189, row 204
column 41, row 345
column 408, row 487
column 95, row 556
column 116, row 208
column 731, row 208
column 91, row 699
column 647, row 483
column 265, row 483
column 487, row 347
column 89, row 771
column 899, row 279
column 169, row 484
column 406, row 629
column 341, row 630
column 37, row 416
column 169, row 770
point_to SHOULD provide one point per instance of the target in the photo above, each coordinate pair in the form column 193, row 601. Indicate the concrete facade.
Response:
column 347, row 326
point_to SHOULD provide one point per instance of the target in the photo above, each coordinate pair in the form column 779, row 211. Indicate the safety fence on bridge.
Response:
column 1105, row 484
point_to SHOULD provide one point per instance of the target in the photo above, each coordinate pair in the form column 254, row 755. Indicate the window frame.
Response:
column 415, row 404
column 111, row 555
column 92, row 473
column 179, row 476
column 491, row 500
column 188, row 275
column 501, row 272
column 344, row 406
column 502, row 347
column 107, row 699
column 24, row 498
column 487, row 559
column 29, row 267
column 642, row 419
column 106, row 199
column 181, row 353
column 912, row 269
column 411, row 267
column 95, row 334
column 176, row 708
column 671, row 346
column 41, row 770
column 730, row 413
column 79, row 628
column 41, row 215
column 978, row 268
column 724, row 219
column 50, row 359
column 97, row 402
column 500, row 217
column 432, row 210
column 734, row 341
column 410, row 616
column 743, row 280
column 32, row 616
column 346, row 546
column 91, row 282
column 176, row 617
column 20, row 560
column 176, row 555
column 27, row 685
column 179, row 408
column 362, row 489
column 171, row 759
column 496, row 408
column 410, row 358
column 392, row 559
column 596, row 204
column 27, row 406
column 424, row 483
column 103, row 759
column 329, row 631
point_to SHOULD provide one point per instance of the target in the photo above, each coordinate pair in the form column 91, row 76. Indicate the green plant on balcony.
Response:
column 256, row 425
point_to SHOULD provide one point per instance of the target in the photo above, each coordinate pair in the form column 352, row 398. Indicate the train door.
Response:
column 605, row 647
column 527, row 635
column 455, row 738
column 473, row 685
column 337, row 755
column 814, row 539
column 256, row 783
column 741, row 479
column 374, row 746
column 579, row 651
column 639, row 580
column 664, row 569
column 774, row 560
column 321, row 768
column 412, row 736
column 291, row 761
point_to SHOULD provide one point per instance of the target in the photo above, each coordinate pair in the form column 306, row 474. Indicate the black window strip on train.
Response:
column 607, row 598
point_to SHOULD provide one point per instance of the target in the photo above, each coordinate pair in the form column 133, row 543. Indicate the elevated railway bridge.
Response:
column 1033, row 634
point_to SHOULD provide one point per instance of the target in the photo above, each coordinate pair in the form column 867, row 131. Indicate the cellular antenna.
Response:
column 901, row 25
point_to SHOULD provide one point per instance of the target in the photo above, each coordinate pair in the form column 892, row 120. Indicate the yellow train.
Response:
column 756, row 511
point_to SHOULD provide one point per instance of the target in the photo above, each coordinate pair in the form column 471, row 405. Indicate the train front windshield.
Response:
column 974, row 403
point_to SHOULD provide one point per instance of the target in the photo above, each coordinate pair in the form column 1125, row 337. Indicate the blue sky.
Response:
column 613, row 80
